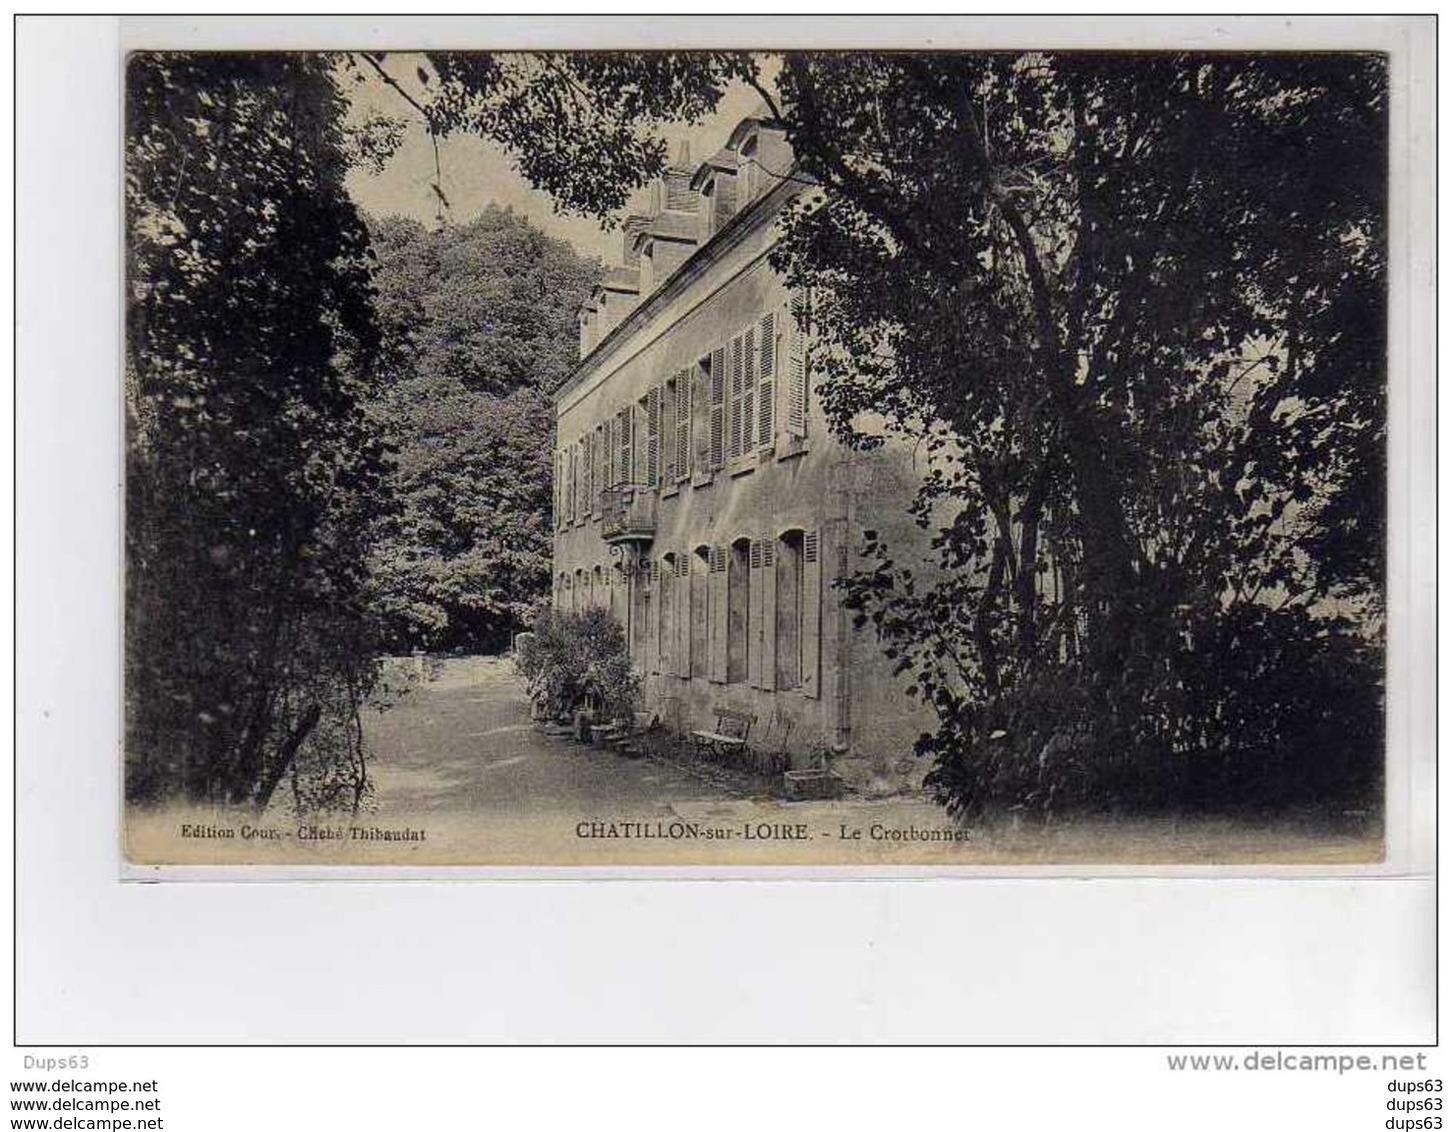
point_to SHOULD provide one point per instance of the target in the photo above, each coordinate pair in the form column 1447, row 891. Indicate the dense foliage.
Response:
column 577, row 662
column 1146, row 332
column 478, row 324
column 253, row 471
column 1136, row 305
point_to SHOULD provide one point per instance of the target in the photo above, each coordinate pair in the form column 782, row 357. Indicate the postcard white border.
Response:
column 1332, row 958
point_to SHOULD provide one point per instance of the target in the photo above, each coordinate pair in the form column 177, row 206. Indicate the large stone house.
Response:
column 698, row 493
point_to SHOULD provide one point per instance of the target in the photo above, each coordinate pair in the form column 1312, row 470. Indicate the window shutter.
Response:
column 766, row 382
column 683, row 423
column 718, row 408
column 765, row 597
column 811, row 614
column 753, row 614
column 652, row 437
column 748, row 392
column 733, row 449
column 652, row 619
column 716, row 595
column 623, row 423
column 683, row 615
column 668, row 461
column 570, row 510
column 587, row 446
column 581, row 471
column 663, row 595
column 796, row 378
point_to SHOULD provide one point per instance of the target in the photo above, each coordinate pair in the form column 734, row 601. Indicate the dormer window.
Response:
column 707, row 212
column 749, row 174
column 647, row 269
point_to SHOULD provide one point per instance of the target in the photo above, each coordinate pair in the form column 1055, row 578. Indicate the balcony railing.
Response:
column 627, row 513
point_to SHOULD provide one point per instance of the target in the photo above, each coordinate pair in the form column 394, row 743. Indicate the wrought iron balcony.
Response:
column 627, row 513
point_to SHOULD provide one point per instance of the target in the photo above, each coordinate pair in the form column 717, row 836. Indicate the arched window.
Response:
column 579, row 598
column 597, row 588
column 700, row 613
column 566, row 594
column 789, row 610
column 738, row 611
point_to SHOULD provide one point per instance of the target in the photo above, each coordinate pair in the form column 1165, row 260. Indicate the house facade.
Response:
column 699, row 494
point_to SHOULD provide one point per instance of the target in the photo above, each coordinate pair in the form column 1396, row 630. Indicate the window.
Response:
column 738, row 611
column 647, row 270
column 597, row 588
column 708, row 209
column 789, row 610
column 749, row 172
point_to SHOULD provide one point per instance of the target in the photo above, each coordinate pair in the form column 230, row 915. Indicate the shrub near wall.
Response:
column 578, row 662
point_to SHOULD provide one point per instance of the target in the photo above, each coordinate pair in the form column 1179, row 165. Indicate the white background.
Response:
column 1256, row 960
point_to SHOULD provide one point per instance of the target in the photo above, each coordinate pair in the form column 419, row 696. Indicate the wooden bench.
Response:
column 729, row 737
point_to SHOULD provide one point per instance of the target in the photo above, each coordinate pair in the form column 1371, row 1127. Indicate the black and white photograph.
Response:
column 755, row 457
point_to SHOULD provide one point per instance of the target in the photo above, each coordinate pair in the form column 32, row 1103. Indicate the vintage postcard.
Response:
column 742, row 459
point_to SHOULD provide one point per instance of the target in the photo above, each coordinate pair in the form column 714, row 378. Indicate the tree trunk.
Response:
column 286, row 754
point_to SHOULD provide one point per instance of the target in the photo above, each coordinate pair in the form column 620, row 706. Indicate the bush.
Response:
column 578, row 662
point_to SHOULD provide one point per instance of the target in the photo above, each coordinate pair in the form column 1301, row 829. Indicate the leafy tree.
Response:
column 253, row 471
column 479, row 327
column 1136, row 303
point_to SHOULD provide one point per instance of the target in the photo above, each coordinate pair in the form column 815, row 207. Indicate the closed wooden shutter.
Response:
column 716, row 592
column 668, row 433
column 573, row 485
column 766, row 382
column 661, row 585
column 623, row 422
column 587, row 452
column 764, row 596
column 718, row 408
column 600, row 459
column 684, row 615
column 733, row 413
column 582, row 506
column 652, row 437
column 796, row 378
column 748, row 392
column 683, row 423
column 754, row 622
column 607, row 453
column 811, row 614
